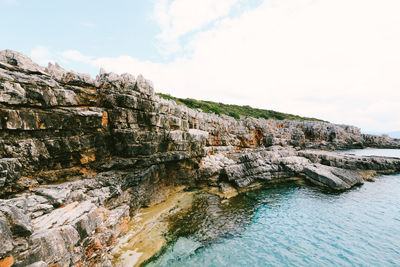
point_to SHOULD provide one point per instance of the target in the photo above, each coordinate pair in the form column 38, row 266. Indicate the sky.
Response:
column 334, row 60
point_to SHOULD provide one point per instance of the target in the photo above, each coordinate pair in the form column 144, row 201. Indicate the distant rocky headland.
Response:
column 79, row 156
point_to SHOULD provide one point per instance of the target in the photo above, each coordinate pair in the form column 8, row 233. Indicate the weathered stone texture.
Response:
column 78, row 155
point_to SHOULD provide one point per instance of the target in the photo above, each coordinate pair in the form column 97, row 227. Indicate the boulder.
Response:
column 54, row 246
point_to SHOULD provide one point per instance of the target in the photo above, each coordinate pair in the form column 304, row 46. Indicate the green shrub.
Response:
column 234, row 111
column 234, row 115
column 215, row 110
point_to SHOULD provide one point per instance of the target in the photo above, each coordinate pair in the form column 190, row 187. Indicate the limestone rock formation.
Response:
column 79, row 155
column 327, row 169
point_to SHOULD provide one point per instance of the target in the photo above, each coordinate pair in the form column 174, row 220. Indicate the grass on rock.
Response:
column 235, row 111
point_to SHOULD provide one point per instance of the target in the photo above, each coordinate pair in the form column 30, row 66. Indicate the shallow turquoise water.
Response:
column 297, row 225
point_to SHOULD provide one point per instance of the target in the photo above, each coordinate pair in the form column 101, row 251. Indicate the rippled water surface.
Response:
column 293, row 225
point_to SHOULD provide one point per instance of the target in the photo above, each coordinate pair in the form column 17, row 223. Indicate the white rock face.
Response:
column 213, row 164
column 19, row 60
column 56, row 71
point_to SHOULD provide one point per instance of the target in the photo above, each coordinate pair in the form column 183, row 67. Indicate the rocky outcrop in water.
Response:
column 327, row 169
column 79, row 155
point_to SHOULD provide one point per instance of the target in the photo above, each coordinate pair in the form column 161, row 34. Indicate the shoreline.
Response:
column 147, row 229
column 145, row 235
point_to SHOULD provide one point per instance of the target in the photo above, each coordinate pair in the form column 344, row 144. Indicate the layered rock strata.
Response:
column 326, row 169
column 79, row 155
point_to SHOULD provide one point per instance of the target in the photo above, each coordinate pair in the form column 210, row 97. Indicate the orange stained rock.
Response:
column 104, row 120
column 7, row 262
column 216, row 141
column 70, row 206
column 258, row 137
column 92, row 248
column 124, row 225
column 87, row 157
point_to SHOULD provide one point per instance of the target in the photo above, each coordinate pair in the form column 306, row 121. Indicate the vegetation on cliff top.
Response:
column 234, row 111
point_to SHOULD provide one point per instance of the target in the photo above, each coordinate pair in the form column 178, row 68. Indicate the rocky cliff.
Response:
column 79, row 155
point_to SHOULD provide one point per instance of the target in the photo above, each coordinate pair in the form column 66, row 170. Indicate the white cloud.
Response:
column 337, row 60
column 75, row 55
column 294, row 3
column 179, row 17
column 41, row 55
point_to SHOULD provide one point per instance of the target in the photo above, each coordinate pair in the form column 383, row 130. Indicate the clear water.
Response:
column 294, row 225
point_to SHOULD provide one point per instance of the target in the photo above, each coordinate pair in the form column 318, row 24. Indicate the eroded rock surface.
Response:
column 79, row 155
column 323, row 168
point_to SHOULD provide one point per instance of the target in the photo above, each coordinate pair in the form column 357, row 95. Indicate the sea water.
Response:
column 295, row 225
